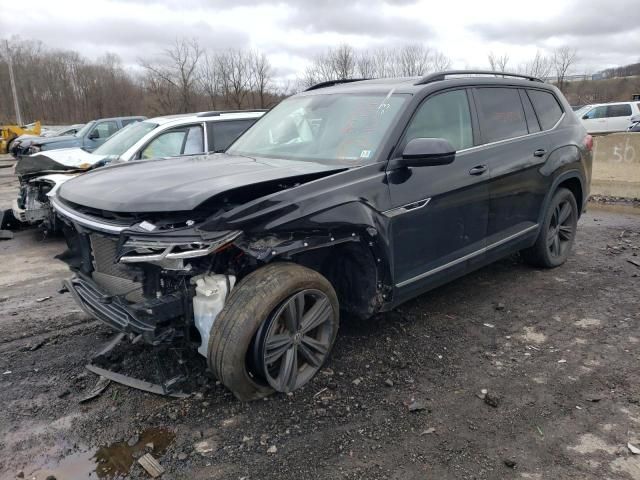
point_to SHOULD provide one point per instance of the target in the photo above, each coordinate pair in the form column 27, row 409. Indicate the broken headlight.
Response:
column 139, row 250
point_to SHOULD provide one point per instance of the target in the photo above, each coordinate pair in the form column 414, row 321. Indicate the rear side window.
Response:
column 547, row 108
column 445, row 115
column 224, row 133
column 619, row 110
column 501, row 114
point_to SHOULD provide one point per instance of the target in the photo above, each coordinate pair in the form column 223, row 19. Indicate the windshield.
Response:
column 123, row 140
column 343, row 128
column 83, row 131
column 582, row 110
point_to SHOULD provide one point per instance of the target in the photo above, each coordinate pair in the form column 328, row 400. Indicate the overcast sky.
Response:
column 605, row 32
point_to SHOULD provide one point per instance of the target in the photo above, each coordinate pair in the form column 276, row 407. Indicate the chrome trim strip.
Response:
column 491, row 144
column 85, row 221
column 466, row 257
column 409, row 207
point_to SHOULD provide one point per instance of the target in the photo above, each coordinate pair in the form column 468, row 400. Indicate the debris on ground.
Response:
column 96, row 391
column 205, row 447
column 151, row 465
column 489, row 325
column 633, row 449
column 428, row 431
column 272, row 449
column 510, row 463
column 500, row 306
column 492, row 400
column 416, row 406
column 482, row 394
column 633, row 262
column 44, row 299
column 388, row 382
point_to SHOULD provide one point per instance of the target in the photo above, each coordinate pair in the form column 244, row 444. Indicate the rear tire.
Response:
column 251, row 344
column 557, row 233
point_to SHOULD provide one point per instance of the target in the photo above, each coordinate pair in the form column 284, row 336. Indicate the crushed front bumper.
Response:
column 150, row 318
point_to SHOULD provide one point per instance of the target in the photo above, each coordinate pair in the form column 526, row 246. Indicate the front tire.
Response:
column 275, row 331
column 557, row 234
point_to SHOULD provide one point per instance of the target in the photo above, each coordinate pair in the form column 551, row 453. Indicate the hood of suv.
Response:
column 180, row 184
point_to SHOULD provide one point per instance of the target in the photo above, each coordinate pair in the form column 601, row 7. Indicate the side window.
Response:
column 104, row 130
column 547, row 108
column 619, row 110
column 168, row 144
column 501, row 114
column 127, row 121
column 596, row 112
column 445, row 115
column 224, row 133
column 529, row 113
column 195, row 141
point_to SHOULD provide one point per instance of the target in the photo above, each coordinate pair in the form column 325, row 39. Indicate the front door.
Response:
column 595, row 120
column 99, row 134
column 439, row 215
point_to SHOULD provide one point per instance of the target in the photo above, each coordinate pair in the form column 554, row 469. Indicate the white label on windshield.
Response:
column 365, row 154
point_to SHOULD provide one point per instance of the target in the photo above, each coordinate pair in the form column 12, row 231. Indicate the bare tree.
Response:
column 441, row 62
column 540, row 66
column 178, row 69
column 563, row 60
column 262, row 74
column 498, row 63
column 413, row 60
column 235, row 76
column 209, row 78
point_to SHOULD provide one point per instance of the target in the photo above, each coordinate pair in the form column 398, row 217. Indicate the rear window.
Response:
column 501, row 114
column 226, row 132
column 619, row 110
column 547, row 108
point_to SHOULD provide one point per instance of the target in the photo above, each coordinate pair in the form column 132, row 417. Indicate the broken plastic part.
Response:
column 211, row 293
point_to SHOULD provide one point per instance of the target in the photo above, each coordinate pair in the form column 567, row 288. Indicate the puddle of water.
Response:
column 106, row 463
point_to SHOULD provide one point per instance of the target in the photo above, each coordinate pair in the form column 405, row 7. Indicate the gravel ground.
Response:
column 401, row 398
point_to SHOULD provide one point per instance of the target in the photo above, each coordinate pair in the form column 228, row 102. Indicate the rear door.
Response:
column 595, row 120
column 439, row 215
column 514, row 146
column 618, row 117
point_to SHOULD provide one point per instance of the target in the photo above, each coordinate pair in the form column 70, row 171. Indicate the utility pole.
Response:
column 12, row 79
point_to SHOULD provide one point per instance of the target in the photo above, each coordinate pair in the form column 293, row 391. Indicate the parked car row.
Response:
column 42, row 173
column 349, row 198
column 22, row 144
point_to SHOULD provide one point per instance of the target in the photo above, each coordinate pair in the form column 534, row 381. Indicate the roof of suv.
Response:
column 206, row 116
column 416, row 84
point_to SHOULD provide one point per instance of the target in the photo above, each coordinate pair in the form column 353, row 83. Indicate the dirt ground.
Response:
column 557, row 351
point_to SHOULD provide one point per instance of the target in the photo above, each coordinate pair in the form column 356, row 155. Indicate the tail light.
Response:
column 588, row 142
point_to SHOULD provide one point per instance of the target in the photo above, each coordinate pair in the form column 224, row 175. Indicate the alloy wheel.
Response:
column 561, row 229
column 295, row 341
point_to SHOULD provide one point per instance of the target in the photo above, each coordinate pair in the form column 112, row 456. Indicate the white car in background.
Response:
column 41, row 174
column 608, row 117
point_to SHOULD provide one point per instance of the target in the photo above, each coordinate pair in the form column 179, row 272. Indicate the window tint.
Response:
column 501, row 114
column 105, row 129
column 195, row 141
column 547, row 108
column 226, row 132
column 445, row 115
column 530, row 115
column 619, row 110
column 596, row 112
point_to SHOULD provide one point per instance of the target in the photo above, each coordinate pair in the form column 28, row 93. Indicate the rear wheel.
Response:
column 275, row 331
column 557, row 233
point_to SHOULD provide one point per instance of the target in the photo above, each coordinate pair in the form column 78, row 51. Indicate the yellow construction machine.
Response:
column 10, row 132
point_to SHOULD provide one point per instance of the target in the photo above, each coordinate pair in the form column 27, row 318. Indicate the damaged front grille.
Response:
column 115, row 278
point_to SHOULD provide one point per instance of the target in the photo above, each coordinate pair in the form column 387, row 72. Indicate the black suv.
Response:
column 350, row 197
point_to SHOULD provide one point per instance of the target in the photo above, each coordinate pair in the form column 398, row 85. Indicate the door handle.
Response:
column 541, row 152
column 479, row 170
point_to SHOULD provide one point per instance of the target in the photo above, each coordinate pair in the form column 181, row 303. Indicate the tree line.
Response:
column 61, row 86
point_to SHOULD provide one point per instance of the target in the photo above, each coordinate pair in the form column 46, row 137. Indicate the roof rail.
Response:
column 331, row 83
column 217, row 113
column 439, row 76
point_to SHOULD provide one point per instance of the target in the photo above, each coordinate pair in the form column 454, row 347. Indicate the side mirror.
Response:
column 425, row 152
column 585, row 116
column 94, row 135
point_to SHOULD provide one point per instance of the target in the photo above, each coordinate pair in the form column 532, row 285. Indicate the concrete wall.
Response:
column 616, row 165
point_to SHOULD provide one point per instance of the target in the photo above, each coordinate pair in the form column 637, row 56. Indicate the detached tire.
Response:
column 275, row 331
column 557, row 233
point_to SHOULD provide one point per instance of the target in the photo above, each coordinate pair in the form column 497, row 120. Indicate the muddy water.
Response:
column 107, row 462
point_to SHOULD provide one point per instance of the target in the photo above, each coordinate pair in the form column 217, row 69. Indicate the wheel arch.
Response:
column 574, row 181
